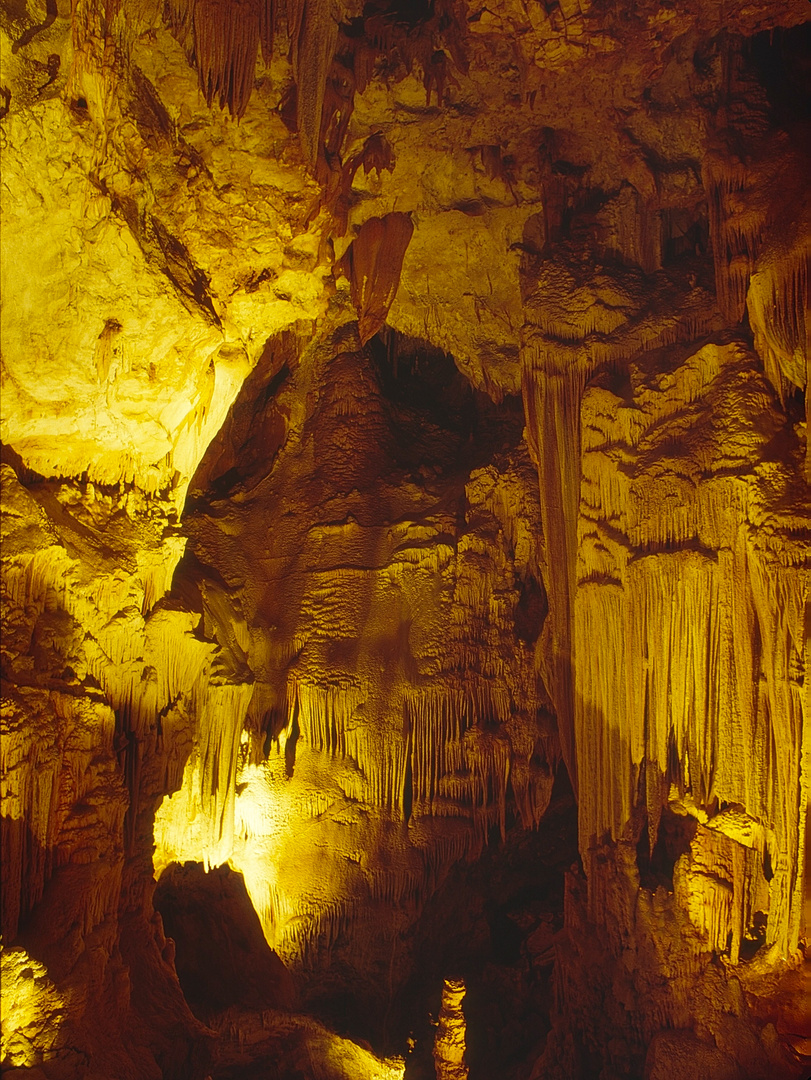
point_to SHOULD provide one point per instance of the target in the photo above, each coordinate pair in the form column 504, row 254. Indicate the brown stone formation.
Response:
column 449, row 1045
column 405, row 539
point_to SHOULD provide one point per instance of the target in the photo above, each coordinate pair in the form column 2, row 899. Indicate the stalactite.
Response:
column 552, row 404
column 532, row 785
column 364, row 57
column 373, row 263
column 222, row 40
column 315, row 49
column 226, row 40
column 30, row 800
column 452, row 17
column 179, row 16
column 489, row 759
column 446, row 758
column 376, row 153
column 672, row 602
column 562, row 350
column 736, row 232
column 144, row 672
column 437, row 75
column 201, row 817
column 296, row 13
column 325, row 715
column 346, row 68
column 268, row 15
column 156, row 568
column 336, row 112
column 217, row 761
column 778, row 302
column 90, row 27
column 45, row 778
column 634, row 229
column 438, row 722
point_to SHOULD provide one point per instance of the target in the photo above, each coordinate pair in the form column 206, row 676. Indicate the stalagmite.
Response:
column 449, row 1046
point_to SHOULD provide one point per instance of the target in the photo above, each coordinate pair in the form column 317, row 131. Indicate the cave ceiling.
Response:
column 405, row 538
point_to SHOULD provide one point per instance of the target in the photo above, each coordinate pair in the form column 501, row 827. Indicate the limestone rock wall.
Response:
column 385, row 630
column 84, row 962
column 326, row 599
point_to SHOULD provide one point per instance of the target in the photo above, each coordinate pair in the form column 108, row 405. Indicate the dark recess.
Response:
column 673, row 839
column 222, row 958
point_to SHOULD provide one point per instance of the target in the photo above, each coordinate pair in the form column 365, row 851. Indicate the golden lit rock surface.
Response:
column 449, row 1046
column 383, row 729
column 405, row 409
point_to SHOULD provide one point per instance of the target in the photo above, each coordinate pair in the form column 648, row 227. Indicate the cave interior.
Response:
column 406, row 539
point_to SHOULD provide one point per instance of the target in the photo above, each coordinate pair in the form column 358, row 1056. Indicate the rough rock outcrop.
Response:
column 344, row 508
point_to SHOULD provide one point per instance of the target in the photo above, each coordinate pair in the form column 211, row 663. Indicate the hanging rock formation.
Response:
column 404, row 449
column 373, row 263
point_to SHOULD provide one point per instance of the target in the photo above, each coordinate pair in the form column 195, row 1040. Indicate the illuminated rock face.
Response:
column 449, row 1048
column 402, row 408
column 385, row 628
column 294, row 822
